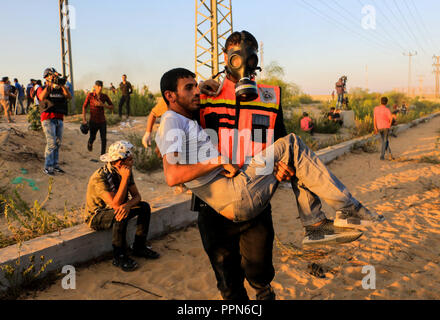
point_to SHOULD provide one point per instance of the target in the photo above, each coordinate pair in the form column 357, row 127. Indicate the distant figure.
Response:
column 340, row 91
column 333, row 95
column 335, row 116
column 112, row 88
column 382, row 124
column 20, row 98
column 29, row 98
column 307, row 123
column 394, row 120
column 97, row 122
column 126, row 90
column 5, row 94
column 403, row 109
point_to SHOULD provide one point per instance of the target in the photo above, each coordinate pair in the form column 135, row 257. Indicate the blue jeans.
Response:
column 53, row 129
column 250, row 192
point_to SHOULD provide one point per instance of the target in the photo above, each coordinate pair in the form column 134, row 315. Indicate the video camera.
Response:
column 344, row 81
column 58, row 78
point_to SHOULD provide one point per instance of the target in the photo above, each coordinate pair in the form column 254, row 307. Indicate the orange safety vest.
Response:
column 243, row 128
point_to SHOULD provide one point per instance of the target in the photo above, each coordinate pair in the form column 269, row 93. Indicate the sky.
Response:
column 314, row 41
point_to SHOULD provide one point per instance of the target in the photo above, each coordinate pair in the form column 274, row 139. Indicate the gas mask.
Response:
column 241, row 64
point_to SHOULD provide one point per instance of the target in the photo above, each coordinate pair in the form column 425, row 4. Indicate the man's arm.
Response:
column 374, row 122
column 109, row 102
column 176, row 174
column 86, row 103
column 130, row 88
column 146, row 140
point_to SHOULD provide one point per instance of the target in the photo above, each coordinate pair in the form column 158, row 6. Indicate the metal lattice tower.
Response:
column 213, row 26
column 66, row 49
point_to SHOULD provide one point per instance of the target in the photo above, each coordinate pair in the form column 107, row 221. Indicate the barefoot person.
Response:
column 108, row 205
column 189, row 157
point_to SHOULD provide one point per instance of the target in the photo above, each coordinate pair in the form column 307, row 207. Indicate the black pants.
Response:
column 124, row 99
column 105, row 220
column 385, row 143
column 238, row 251
column 102, row 128
column 30, row 101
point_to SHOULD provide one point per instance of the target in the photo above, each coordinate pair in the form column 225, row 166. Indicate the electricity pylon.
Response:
column 66, row 48
column 213, row 26
column 436, row 66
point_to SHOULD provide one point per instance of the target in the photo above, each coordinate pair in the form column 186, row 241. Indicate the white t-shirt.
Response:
column 177, row 133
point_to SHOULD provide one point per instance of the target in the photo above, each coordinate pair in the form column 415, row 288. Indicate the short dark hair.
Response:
column 99, row 83
column 236, row 37
column 332, row 108
column 384, row 100
column 168, row 82
column 305, row 114
column 124, row 75
column 15, row 80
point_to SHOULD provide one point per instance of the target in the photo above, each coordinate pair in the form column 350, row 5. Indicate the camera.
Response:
column 57, row 78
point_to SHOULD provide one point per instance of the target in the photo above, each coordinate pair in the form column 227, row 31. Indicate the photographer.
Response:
column 340, row 90
column 53, row 99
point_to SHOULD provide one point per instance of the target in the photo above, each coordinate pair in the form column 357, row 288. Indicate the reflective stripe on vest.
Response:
column 241, row 140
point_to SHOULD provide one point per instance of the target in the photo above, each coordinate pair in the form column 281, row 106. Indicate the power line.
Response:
column 396, row 29
column 327, row 17
column 407, row 25
column 416, row 22
column 436, row 71
column 356, row 22
column 428, row 32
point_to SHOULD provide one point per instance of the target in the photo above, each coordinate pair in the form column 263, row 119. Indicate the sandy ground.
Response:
column 405, row 250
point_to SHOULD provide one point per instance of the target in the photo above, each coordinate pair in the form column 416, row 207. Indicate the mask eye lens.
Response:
column 236, row 61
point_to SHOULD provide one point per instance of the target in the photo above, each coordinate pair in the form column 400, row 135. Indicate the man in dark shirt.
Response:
column 97, row 101
column 126, row 90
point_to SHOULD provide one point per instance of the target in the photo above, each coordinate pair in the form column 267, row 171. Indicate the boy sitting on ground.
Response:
column 108, row 205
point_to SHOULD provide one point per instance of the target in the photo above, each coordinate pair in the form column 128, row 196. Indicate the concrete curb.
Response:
column 80, row 243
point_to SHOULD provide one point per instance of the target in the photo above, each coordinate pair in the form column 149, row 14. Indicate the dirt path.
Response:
column 405, row 250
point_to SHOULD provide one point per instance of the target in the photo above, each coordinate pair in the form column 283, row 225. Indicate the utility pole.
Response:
column 436, row 71
column 421, row 79
column 410, row 55
column 213, row 26
column 66, row 48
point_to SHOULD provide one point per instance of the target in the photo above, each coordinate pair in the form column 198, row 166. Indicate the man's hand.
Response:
column 122, row 211
column 231, row 170
column 125, row 170
column 146, row 140
column 283, row 172
column 84, row 121
column 209, row 87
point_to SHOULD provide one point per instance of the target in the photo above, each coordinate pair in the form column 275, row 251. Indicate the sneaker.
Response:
column 59, row 170
column 125, row 263
column 49, row 172
column 352, row 217
column 89, row 146
column 146, row 253
column 327, row 234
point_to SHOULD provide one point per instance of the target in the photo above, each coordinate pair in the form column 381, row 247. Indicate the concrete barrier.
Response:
column 80, row 244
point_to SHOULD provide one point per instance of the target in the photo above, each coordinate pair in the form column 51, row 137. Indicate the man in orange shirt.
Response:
column 159, row 109
column 382, row 124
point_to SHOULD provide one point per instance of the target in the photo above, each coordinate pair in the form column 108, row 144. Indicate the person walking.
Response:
column 126, row 90
column 20, row 97
column 5, row 96
column 29, row 98
column 97, row 102
column 383, row 119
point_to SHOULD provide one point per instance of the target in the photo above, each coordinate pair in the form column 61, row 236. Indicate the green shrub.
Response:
column 140, row 104
column 33, row 118
column 145, row 160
